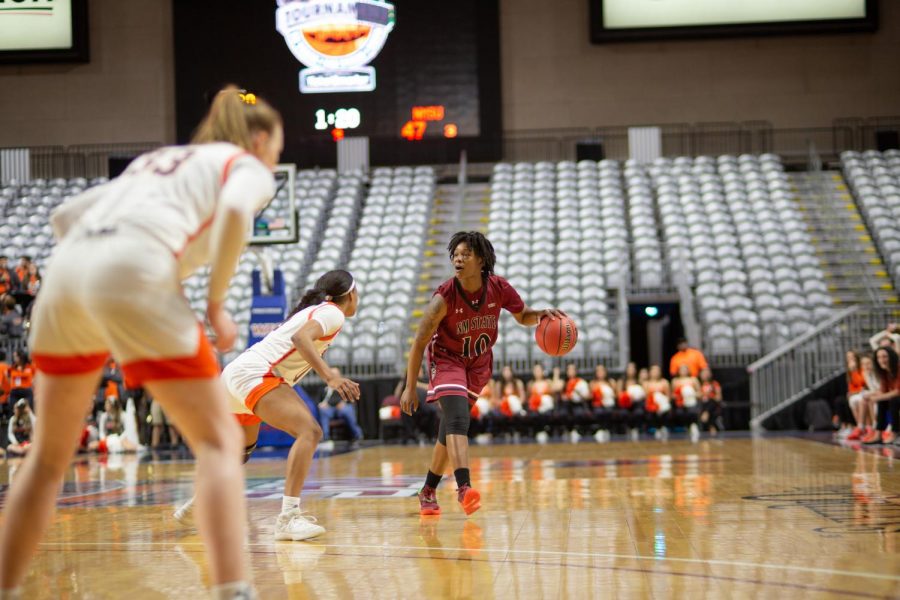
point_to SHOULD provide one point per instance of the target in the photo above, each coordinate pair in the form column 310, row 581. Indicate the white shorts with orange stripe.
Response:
column 247, row 379
column 118, row 293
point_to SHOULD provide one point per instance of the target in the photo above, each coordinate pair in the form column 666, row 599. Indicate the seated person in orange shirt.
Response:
column 21, row 377
column 691, row 357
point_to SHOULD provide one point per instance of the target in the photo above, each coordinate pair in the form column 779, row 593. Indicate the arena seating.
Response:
column 733, row 229
column 25, row 210
column 385, row 260
column 561, row 239
column 874, row 178
column 566, row 234
column 314, row 191
column 729, row 224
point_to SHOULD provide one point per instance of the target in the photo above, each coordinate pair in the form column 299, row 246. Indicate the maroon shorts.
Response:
column 450, row 375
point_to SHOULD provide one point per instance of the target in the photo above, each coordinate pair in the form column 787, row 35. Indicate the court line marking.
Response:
column 559, row 553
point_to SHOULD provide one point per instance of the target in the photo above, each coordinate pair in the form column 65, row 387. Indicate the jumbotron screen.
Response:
column 43, row 31
column 421, row 80
column 613, row 20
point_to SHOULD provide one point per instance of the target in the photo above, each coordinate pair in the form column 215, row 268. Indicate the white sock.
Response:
column 11, row 594
column 233, row 590
column 289, row 503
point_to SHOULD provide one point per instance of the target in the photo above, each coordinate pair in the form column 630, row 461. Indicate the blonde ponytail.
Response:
column 234, row 116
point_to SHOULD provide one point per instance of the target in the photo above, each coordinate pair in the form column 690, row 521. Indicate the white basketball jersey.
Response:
column 174, row 194
column 277, row 349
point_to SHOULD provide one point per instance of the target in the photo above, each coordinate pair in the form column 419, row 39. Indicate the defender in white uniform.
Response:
column 260, row 382
column 113, row 286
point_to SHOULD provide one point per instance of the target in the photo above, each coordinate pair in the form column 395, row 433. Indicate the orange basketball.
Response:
column 556, row 337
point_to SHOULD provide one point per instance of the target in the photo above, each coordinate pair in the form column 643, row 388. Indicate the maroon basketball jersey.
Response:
column 470, row 328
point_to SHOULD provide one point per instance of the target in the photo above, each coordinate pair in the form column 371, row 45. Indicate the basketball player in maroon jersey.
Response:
column 458, row 330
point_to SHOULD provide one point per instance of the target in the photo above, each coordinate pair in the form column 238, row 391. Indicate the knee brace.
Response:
column 456, row 415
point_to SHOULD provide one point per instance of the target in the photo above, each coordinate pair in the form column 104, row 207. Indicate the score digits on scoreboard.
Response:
column 342, row 118
column 414, row 129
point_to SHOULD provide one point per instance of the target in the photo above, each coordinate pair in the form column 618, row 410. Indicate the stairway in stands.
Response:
column 451, row 213
column 852, row 265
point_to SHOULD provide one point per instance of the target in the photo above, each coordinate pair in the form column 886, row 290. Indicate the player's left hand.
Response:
column 222, row 325
column 409, row 400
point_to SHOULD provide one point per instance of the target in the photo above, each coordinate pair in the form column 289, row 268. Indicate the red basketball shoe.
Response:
column 428, row 504
column 469, row 498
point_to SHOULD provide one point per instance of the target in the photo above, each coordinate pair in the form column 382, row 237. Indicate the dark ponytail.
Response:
column 329, row 286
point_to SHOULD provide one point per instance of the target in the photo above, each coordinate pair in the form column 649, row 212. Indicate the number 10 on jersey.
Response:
column 482, row 343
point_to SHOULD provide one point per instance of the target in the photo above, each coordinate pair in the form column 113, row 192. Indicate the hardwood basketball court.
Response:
column 727, row 518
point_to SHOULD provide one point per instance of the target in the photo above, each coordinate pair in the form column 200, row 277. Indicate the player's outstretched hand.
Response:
column 409, row 400
column 346, row 389
column 222, row 325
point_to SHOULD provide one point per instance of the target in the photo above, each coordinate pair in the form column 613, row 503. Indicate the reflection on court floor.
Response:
column 778, row 517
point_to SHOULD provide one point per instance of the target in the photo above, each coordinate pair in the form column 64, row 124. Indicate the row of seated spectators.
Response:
column 870, row 412
column 572, row 406
column 120, row 420
column 18, row 288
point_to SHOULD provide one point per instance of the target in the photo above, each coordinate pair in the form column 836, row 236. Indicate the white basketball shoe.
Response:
column 295, row 526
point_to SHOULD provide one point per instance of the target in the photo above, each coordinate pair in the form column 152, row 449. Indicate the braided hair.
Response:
column 329, row 286
column 479, row 244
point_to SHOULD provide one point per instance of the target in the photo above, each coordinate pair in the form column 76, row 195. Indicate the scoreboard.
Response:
column 420, row 79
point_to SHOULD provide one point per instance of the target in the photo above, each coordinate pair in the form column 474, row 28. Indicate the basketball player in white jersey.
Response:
column 114, row 287
column 260, row 382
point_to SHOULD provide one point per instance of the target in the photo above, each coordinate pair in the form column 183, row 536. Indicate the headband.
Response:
column 350, row 289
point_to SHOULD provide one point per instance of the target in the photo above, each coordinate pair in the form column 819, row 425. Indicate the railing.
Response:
column 683, row 139
column 678, row 139
column 623, row 325
column 786, row 375
column 87, row 160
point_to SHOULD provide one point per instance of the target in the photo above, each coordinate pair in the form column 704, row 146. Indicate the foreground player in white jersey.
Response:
column 260, row 384
column 114, row 287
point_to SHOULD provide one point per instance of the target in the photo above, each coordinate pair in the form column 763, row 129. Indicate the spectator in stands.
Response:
column 540, row 404
column 686, row 355
column 12, row 325
column 685, row 392
column 9, row 283
column 509, row 380
column 22, row 270
column 32, row 282
column 889, row 337
column 5, row 406
column 509, row 415
column 540, row 392
column 21, row 429
column 333, row 407
column 480, row 412
column 424, row 422
column 557, row 383
column 856, row 385
column 160, row 423
column 111, row 384
column 886, row 367
column 21, row 377
column 117, row 429
column 575, row 403
column 658, row 402
column 710, row 402
column 604, row 392
column 631, row 400
column 865, row 419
